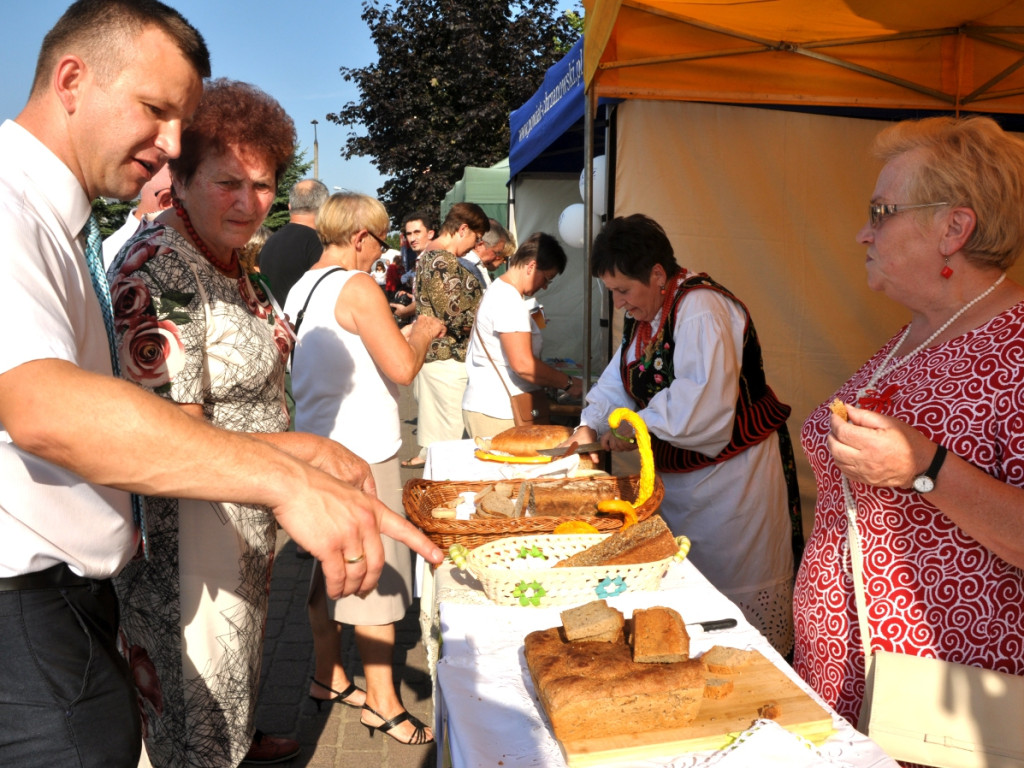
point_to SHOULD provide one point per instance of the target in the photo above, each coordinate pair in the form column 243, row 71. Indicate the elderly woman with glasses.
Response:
column 928, row 452
column 690, row 365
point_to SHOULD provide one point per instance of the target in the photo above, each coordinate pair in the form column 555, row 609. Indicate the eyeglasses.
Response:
column 383, row 243
column 879, row 212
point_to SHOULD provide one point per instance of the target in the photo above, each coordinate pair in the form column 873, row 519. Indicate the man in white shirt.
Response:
column 155, row 196
column 115, row 81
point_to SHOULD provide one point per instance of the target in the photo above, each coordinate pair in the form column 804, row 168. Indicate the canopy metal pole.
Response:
column 589, row 115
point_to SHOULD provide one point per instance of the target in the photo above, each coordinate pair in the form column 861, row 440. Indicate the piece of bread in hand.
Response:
column 838, row 407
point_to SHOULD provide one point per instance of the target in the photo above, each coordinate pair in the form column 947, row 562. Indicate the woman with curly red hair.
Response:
column 196, row 329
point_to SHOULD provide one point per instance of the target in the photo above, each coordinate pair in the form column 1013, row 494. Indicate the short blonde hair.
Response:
column 966, row 162
column 345, row 213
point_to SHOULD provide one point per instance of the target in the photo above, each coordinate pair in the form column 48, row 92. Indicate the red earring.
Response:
column 947, row 271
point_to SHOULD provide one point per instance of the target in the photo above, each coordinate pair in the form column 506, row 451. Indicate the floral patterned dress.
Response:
column 932, row 590
column 193, row 614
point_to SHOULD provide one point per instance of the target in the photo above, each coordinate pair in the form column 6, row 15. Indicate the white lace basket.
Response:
column 519, row 570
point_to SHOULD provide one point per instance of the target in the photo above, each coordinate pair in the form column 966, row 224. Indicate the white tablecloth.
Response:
column 486, row 705
column 484, row 702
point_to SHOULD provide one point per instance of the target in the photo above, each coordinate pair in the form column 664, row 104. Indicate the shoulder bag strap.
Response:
column 856, row 565
column 500, row 377
column 302, row 312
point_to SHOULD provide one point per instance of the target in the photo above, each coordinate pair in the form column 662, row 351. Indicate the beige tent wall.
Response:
column 539, row 202
column 768, row 203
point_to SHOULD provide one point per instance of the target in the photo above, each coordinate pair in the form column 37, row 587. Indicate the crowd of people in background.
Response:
column 154, row 373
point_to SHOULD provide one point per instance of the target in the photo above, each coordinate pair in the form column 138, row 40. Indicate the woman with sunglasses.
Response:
column 350, row 358
column 506, row 340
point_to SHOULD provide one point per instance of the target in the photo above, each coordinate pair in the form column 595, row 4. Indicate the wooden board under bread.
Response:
column 718, row 720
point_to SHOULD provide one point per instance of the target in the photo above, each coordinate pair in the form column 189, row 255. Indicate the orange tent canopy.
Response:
column 879, row 54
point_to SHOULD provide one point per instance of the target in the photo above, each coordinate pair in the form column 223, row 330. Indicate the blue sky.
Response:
column 290, row 49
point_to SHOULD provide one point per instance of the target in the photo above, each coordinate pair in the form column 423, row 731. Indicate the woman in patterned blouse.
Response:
column 931, row 461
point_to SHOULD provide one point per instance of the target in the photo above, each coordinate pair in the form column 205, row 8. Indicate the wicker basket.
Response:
column 518, row 571
column 421, row 496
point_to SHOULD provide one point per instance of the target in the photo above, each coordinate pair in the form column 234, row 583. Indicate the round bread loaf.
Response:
column 525, row 441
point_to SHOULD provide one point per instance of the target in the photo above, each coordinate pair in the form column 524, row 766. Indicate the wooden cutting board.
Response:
column 717, row 721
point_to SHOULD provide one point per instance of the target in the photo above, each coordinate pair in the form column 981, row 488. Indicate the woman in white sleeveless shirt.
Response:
column 349, row 359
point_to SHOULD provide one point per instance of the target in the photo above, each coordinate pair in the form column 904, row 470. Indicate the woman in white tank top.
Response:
column 349, row 359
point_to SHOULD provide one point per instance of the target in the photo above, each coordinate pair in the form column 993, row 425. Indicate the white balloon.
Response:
column 570, row 225
column 600, row 185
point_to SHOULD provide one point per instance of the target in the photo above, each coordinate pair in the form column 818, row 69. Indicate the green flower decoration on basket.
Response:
column 528, row 594
column 534, row 551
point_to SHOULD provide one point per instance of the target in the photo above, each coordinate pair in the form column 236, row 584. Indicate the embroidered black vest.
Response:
column 759, row 412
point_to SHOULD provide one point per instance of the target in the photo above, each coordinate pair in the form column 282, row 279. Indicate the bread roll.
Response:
column 524, row 441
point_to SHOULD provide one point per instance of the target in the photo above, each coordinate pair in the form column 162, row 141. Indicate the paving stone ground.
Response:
column 334, row 737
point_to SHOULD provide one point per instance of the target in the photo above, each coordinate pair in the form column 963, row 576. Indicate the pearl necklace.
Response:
column 232, row 265
column 888, row 366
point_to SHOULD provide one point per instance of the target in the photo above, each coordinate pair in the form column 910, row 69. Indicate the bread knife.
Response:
column 712, row 626
column 569, row 450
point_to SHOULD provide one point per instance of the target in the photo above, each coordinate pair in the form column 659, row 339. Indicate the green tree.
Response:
column 448, row 74
column 111, row 214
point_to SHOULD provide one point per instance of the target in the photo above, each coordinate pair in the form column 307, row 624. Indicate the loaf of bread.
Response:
column 526, row 440
column 659, row 636
column 594, row 620
column 571, row 498
column 721, row 660
column 647, row 541
column 596, row 689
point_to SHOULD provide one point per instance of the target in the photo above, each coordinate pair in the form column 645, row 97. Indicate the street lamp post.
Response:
column 316, row 152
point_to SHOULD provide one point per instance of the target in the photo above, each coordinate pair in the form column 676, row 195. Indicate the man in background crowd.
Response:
column 489, row 253
column 294, row 248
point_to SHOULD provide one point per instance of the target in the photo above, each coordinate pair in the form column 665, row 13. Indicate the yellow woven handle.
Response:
column 643, row 443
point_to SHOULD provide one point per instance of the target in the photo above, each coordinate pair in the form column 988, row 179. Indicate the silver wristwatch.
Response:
column 926, row 483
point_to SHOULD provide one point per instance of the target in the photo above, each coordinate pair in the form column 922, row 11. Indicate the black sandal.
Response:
column 340, row 695
column 419, row 736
